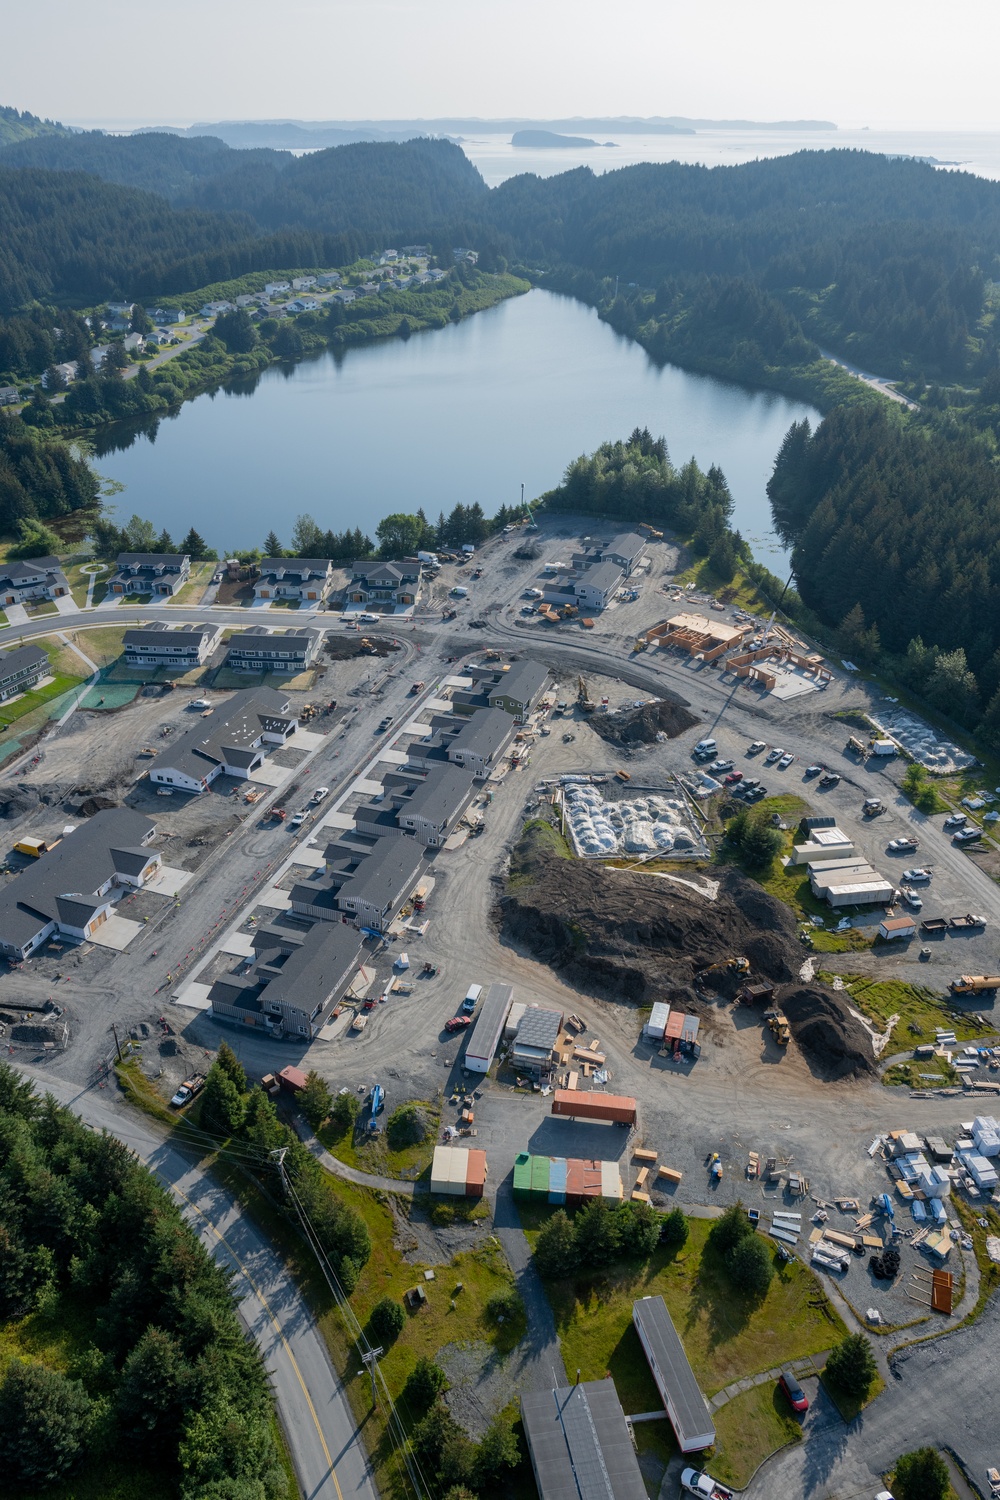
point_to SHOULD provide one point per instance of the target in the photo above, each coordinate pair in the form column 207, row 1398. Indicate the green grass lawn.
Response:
column 921, row 1073
column 286, row 603
column 753, row 1425
column 199, row 578
column 38, row 697
column 34, row 608
column 102, row 643
column 725, row 1337
column 849, row 1406
column 919, row 1010
column 373, row 1154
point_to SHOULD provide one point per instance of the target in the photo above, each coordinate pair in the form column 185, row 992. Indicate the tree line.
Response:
column 157, row 1372
column 896, row 548
column 39, row 479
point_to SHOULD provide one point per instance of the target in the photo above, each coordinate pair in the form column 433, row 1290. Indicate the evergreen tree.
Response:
column 424, row 1384
column 232, row 1067
column 272, row 547
column 164, row 542
column 922, row 1475
column 315, row 1099
column 675, row 1229
column 222, row 1108
column 556, row 1251
column 386, row 1321
column 195, row 547
column 851, row 1366
column 43, row 1424
column 751, row 1266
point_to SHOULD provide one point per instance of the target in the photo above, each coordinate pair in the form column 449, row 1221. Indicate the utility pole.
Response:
column 371, row 1359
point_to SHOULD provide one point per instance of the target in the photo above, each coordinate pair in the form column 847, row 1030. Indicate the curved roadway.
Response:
column 326, row 1447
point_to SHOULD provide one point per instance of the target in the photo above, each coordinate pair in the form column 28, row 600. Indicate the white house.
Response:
column 273, row 288
column 302, row 283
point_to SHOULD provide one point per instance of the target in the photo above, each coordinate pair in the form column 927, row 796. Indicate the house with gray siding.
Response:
column 158, row 646
column 231, row 741
column 21, row 669
column 293, row 998
column 32, row 578
column 258, row 650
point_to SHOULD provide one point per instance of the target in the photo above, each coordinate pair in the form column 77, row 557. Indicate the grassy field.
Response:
column 919, row 1010
column 38, row 697
column 790, row 883
column 198, row 580
column 102, row 643
column 373, row 1154
column 725, row 1337
column 921, row 1073
column 754, row 1424
column 989, row 1271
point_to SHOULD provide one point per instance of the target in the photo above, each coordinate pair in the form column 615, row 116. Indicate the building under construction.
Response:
column 698, row 635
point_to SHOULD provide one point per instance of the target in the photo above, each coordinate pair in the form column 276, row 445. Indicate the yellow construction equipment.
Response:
column 780, row 1028
column 969, row 984
column 568, row 611
column 641, row 644
column 583, row 699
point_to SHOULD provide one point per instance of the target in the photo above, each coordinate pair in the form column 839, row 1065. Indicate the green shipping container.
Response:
column 540, row 1175
column 522, row 1176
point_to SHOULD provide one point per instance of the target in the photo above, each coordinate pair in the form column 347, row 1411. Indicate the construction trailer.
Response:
column 669, row 1365
column 657, row 1023
column 485, row 1035
column 580, row 1444
column 458, row 1171
column 565, row 1181
column 614, row 1109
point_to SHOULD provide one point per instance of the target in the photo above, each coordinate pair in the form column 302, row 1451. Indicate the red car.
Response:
column 458, row 1023
column 796, row 1395
column 733, row 778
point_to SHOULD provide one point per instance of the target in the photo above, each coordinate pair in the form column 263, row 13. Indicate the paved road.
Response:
column 326, row 1447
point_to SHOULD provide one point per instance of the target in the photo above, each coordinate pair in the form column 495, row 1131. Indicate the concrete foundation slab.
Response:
column 117, row 932
column 193, row 996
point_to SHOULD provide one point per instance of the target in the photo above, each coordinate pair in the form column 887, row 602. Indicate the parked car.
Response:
column 911, row 898
column 384, row 724
column 201, row 703
column 718, row 766
column 830, row 779
column 796, row 1395
column 458, row 1023
column 733, row 778
column 967, row 836
column 299, row 818
column 697, row 1482
column 811, row 771
column 320, row 793
column 532, row 593
column 756, row 747
column 471, row 999
column 785, row 762
column 955, row 820
column 916, row 876
column 901, row 846
column 773, row 755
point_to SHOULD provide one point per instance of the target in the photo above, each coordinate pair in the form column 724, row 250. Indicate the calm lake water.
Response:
column 464, row 413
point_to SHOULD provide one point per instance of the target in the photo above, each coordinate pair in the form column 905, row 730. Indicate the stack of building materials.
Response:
column 986, row 1135
column 565, row 1180
column 980, row 1169
column 458, row 1171
column 786, row 1226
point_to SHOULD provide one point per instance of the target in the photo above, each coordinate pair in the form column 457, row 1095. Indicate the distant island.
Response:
column 543, row 138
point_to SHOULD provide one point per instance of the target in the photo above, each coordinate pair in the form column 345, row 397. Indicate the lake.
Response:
column 468, row 412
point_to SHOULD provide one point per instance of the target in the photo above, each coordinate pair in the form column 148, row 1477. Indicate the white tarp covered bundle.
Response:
column 652, row 823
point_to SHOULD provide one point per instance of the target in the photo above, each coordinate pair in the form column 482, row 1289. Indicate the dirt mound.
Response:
column 642, row 726
column 347, row 647
column 635, row 938
column 91, row 805
column 25, row 797
column 834, row 1042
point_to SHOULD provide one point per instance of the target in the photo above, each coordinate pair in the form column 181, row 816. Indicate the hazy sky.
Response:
column 855, row 61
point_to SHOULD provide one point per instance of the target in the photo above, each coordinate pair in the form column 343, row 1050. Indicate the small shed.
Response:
column 894, row 929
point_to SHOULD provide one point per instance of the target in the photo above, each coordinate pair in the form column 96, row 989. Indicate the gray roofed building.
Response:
column 150, row 573
column 537, row 1034
column 255, row 650
column 435, row 805
column 596, row 586
column 481, row 741
column 518, row 690
column 157, row 646
column 32, row 578
column 20, row 669
column 228, row 742
column 384, row 582
column 73, row 887
column 382, row 881
column 297, row 998
column 580, row 1444
column 675, row 1380
column 305, row 578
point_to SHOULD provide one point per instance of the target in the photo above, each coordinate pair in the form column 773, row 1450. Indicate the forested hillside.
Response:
column 39, row 479
column 897, row 544
column 19, row 125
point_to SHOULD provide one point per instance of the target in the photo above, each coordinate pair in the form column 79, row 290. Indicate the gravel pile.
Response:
column 643, row 726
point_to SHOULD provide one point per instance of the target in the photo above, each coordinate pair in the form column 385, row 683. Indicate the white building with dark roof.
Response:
column 156, row 573
column 32, row 578
column 306, row 579
column 22, row 669
column 384, row 582
column 232, row 741
column 260, row 650
column 158, row 646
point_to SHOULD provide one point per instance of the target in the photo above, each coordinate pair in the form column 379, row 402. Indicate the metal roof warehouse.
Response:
column 580, row 1445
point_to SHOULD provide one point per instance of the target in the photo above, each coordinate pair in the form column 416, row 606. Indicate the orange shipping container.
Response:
column 619, row 1109
column 475, row 1176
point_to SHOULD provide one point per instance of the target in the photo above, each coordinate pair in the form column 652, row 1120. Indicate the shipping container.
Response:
column 656, row 1024
column 557, row 1180
column 540, row 1176
column 675, row 1026
column 574, row 1180
column 475, row 1181
column 522, row 1175
column 618, row 1109
column 611, row 1180
column 292, row 1079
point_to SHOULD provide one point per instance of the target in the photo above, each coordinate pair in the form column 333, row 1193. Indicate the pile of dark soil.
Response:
column 30, row 1034
column 17, row 801
column 640, row 726
column 827, row 1032
column 636, row 938
column 347, row 647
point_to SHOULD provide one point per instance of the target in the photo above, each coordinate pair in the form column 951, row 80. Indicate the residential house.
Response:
column 436, row 274
column 214, row 309
column 257, row 650
column 121, row 309
column 71, row 890
column 9, row 395
column 388, row 257
column 118, row 325
column 296, row 983
column 275, row 288
column 21, row 669
column 345, row 298
column 97, row 355
column 367, row 289
column 157, row 646
column 302, row 304
column 476, row 742
column 134, row 343
column 414, row 250
column 302, row 283
column 329, row 278
column 384, row 582
column 590, row 588
column 307, row 579
column 32, row 578
column 168, row 316
column 364, row 882
column 425, row 806
column 248, row 299
column 231, row 741
column 517, row 690
column 156, row 573
column 69, row 370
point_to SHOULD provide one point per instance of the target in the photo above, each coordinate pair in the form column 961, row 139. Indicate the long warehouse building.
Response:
column 681, row 1393
column 580, row 1444
column 488, row 1028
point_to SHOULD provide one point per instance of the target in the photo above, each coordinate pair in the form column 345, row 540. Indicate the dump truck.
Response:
column 779, row 1027
column 856, row 746
column 975, row 984
column 755, row 994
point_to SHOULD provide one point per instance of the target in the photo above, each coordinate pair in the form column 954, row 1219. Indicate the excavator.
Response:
column 734, row 965
column 583, row 699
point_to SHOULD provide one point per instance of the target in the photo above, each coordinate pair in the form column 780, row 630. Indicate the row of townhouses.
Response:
column 255, row 649
column 596, row 574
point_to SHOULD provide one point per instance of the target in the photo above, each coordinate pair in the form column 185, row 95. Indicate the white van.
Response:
column 471, row 999
column 704, row 748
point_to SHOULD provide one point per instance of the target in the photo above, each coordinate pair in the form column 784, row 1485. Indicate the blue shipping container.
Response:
column 557, row 1180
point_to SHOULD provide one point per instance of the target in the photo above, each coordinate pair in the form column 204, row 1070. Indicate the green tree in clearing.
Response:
column 675, row 1229
column 344, row 1112
column 223, row 1108
column 34, row 539
column 922, row 1475
column 315, row 1100
column 754, row 838
column 751, row 1267
column 556, row 1252
column 851, row 1366
column 424, row 1384
column 387, row 1320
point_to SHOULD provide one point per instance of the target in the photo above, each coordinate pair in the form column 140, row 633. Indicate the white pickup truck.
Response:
column 698, row 1483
